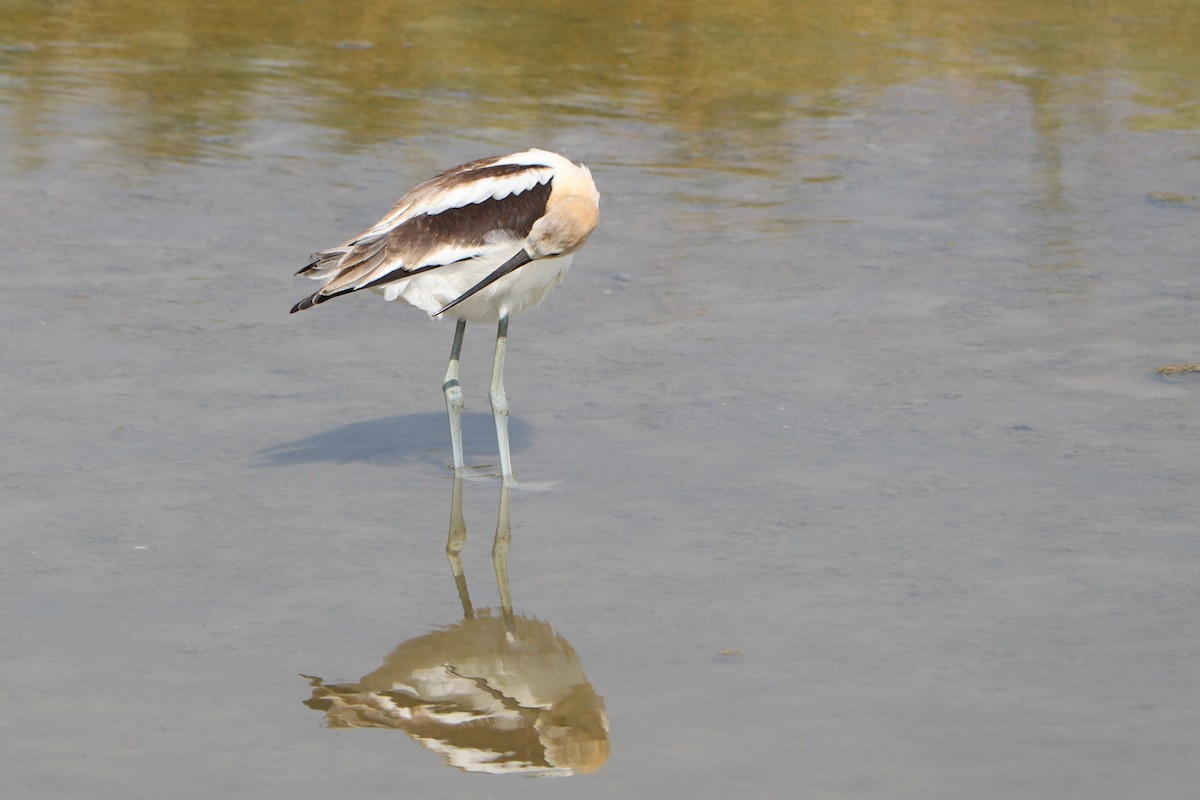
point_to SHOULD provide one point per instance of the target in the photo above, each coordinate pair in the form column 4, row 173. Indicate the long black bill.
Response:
column 520, row 259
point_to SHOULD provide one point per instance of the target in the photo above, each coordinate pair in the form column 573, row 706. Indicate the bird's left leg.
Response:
column 499, row 399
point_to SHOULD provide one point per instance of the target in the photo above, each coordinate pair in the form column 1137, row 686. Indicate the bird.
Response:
column 477, row 243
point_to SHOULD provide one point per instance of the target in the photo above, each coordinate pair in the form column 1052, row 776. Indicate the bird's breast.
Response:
column 520, row 290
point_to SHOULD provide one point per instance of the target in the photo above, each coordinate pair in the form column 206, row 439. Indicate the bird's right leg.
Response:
column 454, row 395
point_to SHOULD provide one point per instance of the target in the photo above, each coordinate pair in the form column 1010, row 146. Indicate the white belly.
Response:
column 522, row 289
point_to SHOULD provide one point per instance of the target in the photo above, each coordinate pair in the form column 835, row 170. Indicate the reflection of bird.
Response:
column 493, row 693
column 478, row 242
column 488, row 695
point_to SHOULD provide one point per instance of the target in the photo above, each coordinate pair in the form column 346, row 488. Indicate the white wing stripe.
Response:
column 447, row 254
column 467, row 191
column 483, row 189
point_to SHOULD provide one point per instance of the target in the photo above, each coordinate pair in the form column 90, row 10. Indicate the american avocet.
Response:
column 480, row 242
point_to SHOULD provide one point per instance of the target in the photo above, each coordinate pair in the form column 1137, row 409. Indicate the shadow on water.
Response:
column 497, row 692
column 389, row 441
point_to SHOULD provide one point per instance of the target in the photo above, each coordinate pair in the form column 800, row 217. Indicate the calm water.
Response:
column 864, row 483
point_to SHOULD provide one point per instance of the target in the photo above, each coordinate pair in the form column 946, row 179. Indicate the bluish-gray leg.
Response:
column 454, row 395
column 499, row 400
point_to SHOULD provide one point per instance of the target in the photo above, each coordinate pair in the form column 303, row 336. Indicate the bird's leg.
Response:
column 454, row 395
column 499, row 400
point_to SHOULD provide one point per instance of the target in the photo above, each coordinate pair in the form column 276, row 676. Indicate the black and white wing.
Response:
column 480, row 210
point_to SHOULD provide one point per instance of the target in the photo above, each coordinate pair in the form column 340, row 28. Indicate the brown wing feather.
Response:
column 414, row 240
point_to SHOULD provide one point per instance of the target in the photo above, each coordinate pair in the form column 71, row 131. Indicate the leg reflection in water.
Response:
column 497, row 693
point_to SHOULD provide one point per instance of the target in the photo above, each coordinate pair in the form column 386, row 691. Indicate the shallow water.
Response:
column 864, row 483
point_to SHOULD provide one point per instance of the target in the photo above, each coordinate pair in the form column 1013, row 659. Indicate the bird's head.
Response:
column 565, row 227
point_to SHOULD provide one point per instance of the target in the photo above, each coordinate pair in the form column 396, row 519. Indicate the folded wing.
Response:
column 480, row 210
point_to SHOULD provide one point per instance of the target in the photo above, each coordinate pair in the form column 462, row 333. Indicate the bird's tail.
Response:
column 323, row 266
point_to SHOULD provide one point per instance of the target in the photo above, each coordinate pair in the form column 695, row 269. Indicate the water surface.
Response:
column 866, row 483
